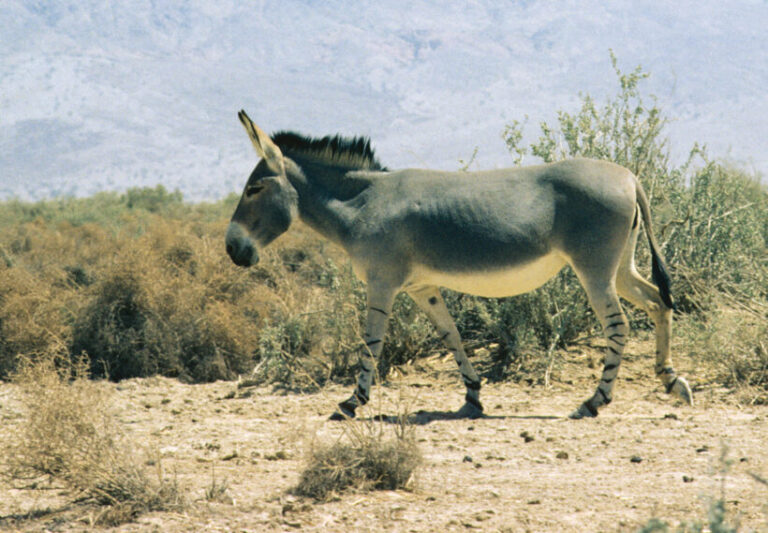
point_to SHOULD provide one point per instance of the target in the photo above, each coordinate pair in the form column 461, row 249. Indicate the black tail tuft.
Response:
column 662, row 280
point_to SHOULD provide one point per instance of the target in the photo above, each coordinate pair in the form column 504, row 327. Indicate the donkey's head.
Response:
column 269, row 202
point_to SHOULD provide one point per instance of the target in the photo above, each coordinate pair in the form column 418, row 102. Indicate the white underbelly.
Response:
column 492, row 283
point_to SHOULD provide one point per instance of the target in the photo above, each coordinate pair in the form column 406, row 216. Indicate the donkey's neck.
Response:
column 327, row 198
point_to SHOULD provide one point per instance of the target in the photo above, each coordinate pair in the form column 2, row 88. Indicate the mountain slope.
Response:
column 103, row 96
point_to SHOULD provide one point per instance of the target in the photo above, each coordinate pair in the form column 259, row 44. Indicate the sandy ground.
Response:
column 645, row 456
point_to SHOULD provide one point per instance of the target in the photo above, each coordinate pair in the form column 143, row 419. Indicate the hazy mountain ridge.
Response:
column 106, row 96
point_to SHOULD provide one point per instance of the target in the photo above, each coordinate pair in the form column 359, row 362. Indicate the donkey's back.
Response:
column 512, row 229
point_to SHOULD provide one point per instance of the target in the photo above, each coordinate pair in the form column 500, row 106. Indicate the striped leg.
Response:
column 673, row 383
column 646, row 296
column 431, row 302
column 607, row 307
column 379, row 307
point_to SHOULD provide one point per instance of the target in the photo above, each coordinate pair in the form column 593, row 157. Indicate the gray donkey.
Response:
column 492, row 233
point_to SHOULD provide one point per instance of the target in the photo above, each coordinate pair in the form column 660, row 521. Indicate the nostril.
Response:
column 230, row 249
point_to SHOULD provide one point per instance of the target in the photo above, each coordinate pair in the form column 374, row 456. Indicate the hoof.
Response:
column 470, row 410
column 584, row 411
column 344, row 412
column 682, row 390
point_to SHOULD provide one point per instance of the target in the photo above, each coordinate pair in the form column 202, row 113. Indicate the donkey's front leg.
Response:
column 379, row 306
column 429, row 299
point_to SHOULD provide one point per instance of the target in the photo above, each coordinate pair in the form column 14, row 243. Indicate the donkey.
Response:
column 491, row 233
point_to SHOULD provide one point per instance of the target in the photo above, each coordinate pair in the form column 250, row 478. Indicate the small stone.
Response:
column 562, row 455
column 702, row 449
column 467, row 459
column 671, row 416
column 280, row 455
column 687, row 479
column 527, row 437
column 534, row 502
column 636, row 459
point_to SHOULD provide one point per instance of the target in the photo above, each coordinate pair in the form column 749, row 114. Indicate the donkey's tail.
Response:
column 659, row 271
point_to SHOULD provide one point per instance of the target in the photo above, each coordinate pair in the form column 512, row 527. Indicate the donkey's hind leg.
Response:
column 646, row 296
column 429, row 299
column 605, row 303
column 641, row 293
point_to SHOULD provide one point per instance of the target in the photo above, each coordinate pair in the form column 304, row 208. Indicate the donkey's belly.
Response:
column 496, row 283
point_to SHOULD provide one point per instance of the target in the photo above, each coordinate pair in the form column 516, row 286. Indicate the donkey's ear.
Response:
column 266, row 149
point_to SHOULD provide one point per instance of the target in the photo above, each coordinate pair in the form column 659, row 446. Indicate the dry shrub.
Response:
column 32, row 317
column 160, row 306
column 140, row 288
column 734, row 345
column 311, row 312
column 41, row 285
column 368, row 461
column 71, row 437
column 121, row 330
column 147, row 292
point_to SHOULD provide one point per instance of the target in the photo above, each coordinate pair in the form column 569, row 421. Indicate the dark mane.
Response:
column 348, row 152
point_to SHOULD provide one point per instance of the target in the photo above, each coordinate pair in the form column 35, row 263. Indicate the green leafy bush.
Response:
column 711, row 219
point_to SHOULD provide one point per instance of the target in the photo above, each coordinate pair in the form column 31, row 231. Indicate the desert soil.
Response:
column 645, row 456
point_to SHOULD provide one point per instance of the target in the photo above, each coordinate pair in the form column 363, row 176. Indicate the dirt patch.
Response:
column 526, row 467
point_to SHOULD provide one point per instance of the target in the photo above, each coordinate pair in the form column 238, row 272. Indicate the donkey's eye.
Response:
column 253, row 189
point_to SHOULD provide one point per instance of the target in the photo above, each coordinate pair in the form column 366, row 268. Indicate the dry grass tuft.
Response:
column 216, row 491
column 368, row 461
column 71, row 437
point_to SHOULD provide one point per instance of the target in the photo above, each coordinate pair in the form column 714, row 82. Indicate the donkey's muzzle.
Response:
column 240, row 248
column 242, row 253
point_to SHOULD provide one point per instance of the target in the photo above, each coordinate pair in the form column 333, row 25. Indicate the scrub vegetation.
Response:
column 139, row 283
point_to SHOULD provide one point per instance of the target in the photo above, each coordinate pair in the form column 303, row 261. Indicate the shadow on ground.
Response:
column 422, row 418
